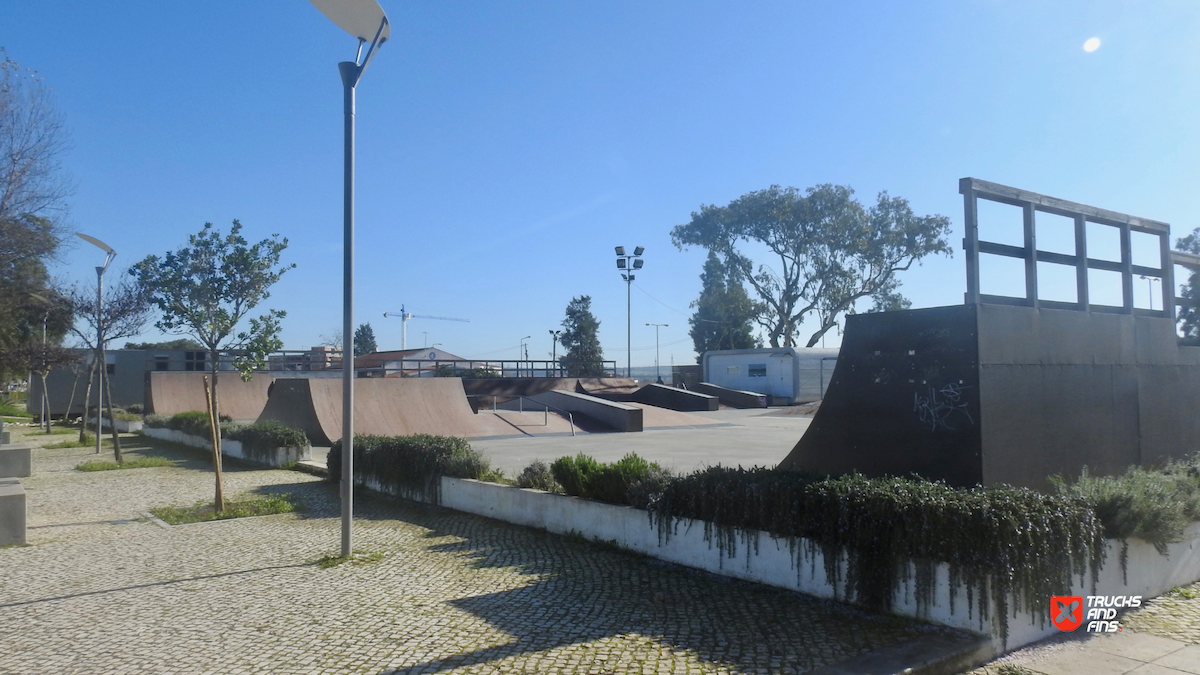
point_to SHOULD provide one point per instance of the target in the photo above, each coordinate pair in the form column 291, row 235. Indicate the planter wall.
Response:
column 232, row 448
column 797, row 564
column 123, row 426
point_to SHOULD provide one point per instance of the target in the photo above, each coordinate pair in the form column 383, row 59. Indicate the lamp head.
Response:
column 620, row 250
column 639, row 250
column 637, row 264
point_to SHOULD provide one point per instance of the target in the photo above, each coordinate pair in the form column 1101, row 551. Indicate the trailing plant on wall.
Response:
column 1000, row 542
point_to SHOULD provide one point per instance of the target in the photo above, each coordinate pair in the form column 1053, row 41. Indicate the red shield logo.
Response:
column 1066, row 612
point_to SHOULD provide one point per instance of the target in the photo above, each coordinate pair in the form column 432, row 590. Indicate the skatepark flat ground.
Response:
column 739, row 437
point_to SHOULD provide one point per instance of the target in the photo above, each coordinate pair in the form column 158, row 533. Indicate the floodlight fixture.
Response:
column 365, row 20
column 620, row 250
column 620, row 263
column 639, row 250
column 637, row 263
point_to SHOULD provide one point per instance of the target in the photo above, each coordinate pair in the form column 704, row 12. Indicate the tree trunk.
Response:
column 112, row 422
column 71, row 401
column 214, row 422
column 45, row 403
column 87, row 399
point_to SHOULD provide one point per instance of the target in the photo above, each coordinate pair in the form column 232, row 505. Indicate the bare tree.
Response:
column 126, row 309
column 32, row 140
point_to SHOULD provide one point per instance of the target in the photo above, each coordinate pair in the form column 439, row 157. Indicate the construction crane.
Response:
column 404, row 316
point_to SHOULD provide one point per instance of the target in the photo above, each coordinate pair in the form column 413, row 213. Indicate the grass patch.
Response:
column 87, row 442
column 139, row 463
column 9, row 410
column 242, row 508
column 357, row 558
column 56, row 430
column 1185, row 592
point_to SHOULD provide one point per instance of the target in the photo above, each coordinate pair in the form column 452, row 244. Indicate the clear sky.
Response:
column 504, row 148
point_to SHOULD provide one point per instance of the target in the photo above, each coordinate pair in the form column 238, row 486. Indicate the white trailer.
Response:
column 789, row 375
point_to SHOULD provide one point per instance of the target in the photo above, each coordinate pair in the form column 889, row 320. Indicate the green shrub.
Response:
column 127, row 417
column 611, row 482
column 135, row 408
column 157, row 421
column 537, row 476
column 572, row 473
column 9, row 410
column 194, row 423
column 412, row 464
column 1152, row 505
column 259, row 440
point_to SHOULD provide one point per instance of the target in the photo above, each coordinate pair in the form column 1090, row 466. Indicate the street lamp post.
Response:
column 100, row 356
column 629, row 263
column 657, row 376
column 522, row 349
column 554, row 349
column 365, row 20
column 1150, row 287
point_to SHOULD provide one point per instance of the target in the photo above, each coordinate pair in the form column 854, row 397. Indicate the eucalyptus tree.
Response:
column 829, row 251
column 204, row 291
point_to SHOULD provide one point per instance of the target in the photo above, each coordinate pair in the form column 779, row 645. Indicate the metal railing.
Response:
column 521, row 407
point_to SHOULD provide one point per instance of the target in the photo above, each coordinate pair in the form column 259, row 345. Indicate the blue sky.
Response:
column 505, row 148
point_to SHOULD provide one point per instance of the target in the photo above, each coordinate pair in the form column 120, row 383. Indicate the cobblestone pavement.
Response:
column 101, row 589
column 1160, row 638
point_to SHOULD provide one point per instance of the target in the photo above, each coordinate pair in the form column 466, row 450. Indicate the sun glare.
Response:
column 1091, row 45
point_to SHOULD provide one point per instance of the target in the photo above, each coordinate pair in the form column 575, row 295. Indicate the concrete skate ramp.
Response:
column 528, row 386
column 619, row 416
column 382, row 407
column 1003, row 394
column 654, row 417
column 734, row 398
column 170, row 393
column 671, row 398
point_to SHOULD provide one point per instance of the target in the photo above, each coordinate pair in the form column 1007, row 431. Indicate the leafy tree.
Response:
column 582, row 355
column 204, row 290
column 831, row 251
column 182, row 344
column 364, row 340
column 126, row 309
column 1189, row 315
column 724, row 313
column 33, row 188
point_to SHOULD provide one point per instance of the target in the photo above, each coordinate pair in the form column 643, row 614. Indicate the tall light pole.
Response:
column 521, row 348
column 629, row 263
column 657, row 376
column 365, row 20
column 554, row 349
column 1150, row 286
column 102, row 365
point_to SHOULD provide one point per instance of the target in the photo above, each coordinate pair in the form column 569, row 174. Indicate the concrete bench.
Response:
column 16, row 461
column 12, row 512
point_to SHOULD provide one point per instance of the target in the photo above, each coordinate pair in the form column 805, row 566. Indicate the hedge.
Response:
column 410, row 464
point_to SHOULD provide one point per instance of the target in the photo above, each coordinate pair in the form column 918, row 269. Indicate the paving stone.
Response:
column 102, row 589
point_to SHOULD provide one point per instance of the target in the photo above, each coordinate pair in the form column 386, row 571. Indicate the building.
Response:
column 787, row 374
column 423, row 362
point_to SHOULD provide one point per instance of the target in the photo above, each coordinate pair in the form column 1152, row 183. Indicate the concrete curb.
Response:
column 932, row 655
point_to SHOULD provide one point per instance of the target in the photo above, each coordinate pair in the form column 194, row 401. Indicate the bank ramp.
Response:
column 382, row 407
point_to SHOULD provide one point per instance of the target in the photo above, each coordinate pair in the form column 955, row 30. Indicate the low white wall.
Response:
column 231, row 447
column 773, row 561
column 123, row 426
